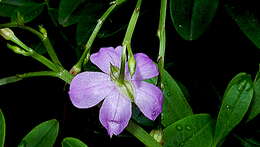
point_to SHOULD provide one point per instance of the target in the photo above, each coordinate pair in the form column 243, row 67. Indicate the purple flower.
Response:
column 87, row 89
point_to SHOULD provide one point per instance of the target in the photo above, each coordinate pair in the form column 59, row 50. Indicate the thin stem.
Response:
column 42, row 36
column 142, row 135
column 84, row 57
column 162, row 36
column 128, row 37
column 38, row 74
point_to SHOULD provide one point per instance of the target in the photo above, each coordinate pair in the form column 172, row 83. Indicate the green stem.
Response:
column 162, row 37
column 42, row 36
column 142, row 135
column 128, row 37
column 84, row 57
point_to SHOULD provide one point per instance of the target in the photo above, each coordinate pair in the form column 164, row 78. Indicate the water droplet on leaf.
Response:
column 179, row 128
column 188, row 128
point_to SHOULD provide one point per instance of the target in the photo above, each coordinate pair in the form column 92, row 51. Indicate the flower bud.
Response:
column 18, row 50
column 7, row 33
column 131, row 64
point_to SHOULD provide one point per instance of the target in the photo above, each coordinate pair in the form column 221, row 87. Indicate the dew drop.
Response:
column 168, row 93
column 188, row 128
column 179, row 128
column 180, row 26
column 228, row 107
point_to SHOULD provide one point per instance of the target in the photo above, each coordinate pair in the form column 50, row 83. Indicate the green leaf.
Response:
column 255, row 104
column 175, row 105
column 72, row 142
column 2, row 129
column 43, row 135
column 87, row 22
column 66, row 16
column 20, row 10
column 191, row 131
column 235, row 104
column 8, row 80
column 138, row 116
column 243, row 12
column 192, row 17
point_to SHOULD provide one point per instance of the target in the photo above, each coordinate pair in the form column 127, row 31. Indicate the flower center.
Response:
column 125, row 86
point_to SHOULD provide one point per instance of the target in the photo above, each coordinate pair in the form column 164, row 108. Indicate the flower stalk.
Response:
column 127, row 43
column 42, row 35
column 142, row 135
column 85, row 56
column 161, row 33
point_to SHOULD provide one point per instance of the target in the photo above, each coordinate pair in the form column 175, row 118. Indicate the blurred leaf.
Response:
column 105, row 33
column 248, row 142
column 255, row 105
column 8, row 80
column 39, row 48
column 87, row 22
column 24, row 9
column 247, row 17
column 175, row 105
column 66, row 9
column 192, row 17
column 72, row 142
column 138, row 116
column 43, row 135
column 235, row 104
column 191, row 131
column 2, row 129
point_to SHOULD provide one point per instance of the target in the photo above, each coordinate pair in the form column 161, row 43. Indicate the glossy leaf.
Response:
column 20, row 10
column 8, row 80
column 2, row 129
column 43, row 135
column 175, row 105
column 191, row 131
column 246, row 16
column 192, row 17
column 235, row 104
column 66, row 9
column 255, row 105
column 72, row 142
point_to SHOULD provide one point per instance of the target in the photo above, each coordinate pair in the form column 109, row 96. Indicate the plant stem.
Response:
column 142, row 135
column 162, row 37
column 128, row 37
column 84, row 57
column 42, row 36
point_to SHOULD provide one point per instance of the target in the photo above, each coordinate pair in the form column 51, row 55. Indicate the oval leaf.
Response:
column 255, row 105
column 66, row 9
column 191, row 131
column 192, row 17
column 20, row 10
column 175, row 105
column 235, row 104
column 244, row 14
column 72, row 142
column 2, row 129
column 43, row 135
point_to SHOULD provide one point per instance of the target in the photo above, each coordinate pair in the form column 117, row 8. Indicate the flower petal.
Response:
column 89, row 88
column 105, row 56
column 115, row 113
column 145, row 68
column 148, row 99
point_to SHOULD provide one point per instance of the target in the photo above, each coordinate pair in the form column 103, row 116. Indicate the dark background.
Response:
column 204, row 67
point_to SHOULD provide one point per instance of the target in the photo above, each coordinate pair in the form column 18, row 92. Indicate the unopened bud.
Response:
column 18, row 50
column 7, row 33
column 132, row 65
